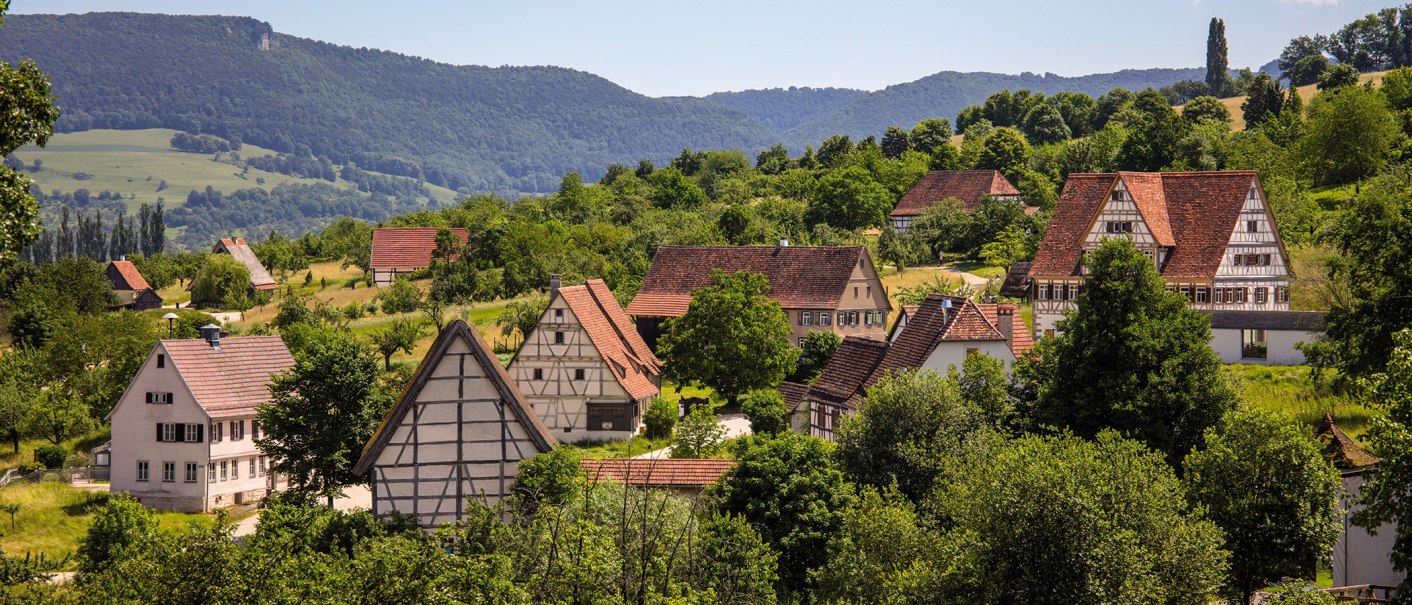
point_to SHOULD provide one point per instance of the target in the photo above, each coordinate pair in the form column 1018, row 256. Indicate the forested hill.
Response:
column 944, row 94
column 781, row 109
column 498, row 129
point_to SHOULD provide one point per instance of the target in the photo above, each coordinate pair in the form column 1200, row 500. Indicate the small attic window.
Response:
column 558, row 313
column 161, row 360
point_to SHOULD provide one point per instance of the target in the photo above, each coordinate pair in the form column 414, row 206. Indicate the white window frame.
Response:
column 1203, row 295
column 224, row 470
column 825, row 318
column 252, row 468
column 210, row 472
column 806, row 318
column 169, row 432
column 235, row 469
column 191, row 473
column 168, row 472
column 192, row 433
column 144, row 471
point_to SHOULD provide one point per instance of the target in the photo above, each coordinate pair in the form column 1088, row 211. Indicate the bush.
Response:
column 31, row 467
column 699, row 435
column 766, row 411
column 661, row 418
column 52, row 456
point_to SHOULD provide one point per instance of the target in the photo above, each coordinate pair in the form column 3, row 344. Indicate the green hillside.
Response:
column 781, row 109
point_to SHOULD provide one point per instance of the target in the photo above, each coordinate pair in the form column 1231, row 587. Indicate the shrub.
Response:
column 766, row 411
column 31, row 467
column 353, row 311
column 52, row 456
column 699, row 435
column 661, row 418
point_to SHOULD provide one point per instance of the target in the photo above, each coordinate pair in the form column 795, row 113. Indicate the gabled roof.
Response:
column 407, row 247
column 793, row 393
column 1021, row 341
column 233, row 379
column 495, row 373
column 902, row 318
column 657, row 472
column 971, row 187
column 237, row 247
column 1195, row 211
column 612, row 333
column 1340, row 449
column 127, row 276
column 860, row 363
column 801, row 277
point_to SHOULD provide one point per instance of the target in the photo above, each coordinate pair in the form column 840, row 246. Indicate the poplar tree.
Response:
column 1217, row 68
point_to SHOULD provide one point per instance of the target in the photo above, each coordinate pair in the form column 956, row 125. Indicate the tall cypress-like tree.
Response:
column 1217, row 67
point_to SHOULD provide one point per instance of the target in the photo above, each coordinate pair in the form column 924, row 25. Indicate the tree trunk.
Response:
column 387, row 362
column 15, row 440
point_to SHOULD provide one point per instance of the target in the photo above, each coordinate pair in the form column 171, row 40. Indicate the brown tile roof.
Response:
column 844, row 375
column 1016, row 284
column 237, row 247
column 1021, row 339
column 969, row 186
column 1340, row 449
column 127, row 276
column 1194, row 211
column 793, row 393
column 615, row 338
column 407, row 247
column 657, row 472
column 801, row 277
column 231, row 380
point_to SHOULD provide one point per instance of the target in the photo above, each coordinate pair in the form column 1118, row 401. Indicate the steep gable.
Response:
column 125, row 276
column 630, row 362
column 237, row 247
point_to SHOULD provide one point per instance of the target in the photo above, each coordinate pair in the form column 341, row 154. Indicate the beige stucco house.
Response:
column 184, row 430
column 584, row 368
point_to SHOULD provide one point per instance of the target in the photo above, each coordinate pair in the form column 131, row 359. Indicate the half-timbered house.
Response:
column 459, row 430
column 584, row 368
column 1211, row 236
column 970, row 187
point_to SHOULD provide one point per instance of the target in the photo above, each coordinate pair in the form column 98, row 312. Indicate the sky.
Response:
column 668, row 48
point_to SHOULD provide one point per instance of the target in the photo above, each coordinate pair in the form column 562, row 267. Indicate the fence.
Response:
column 73, row 474
column 1363, row 594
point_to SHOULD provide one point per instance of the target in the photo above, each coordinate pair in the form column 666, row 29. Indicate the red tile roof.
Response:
column 1194, row 213
column 657, row 472
column 237, row 247
column 1021, row 341
column 231, row 380
column 1340, row 449
column 793, row 393
column 850, row 367
column 612, row 333
column 971, row 187
column 407, row 247
column 129, row 278
column 801, row 277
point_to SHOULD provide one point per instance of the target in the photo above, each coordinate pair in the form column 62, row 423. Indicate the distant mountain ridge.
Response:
column 473, row 128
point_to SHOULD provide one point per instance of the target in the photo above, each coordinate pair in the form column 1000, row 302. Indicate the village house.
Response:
column 184, row 430
column 1211, row 236
column 819, row 287
column 1264, row 337
column 131, row 288
column 460, row 429
column 405, row 250
column 686, row 477
column 260, row 280
column 970, row 187
column 584, row 368
column 1359, row 558
column 941, row 334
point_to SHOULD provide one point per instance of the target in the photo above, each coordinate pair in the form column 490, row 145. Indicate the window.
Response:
column 1120, row 226
column 971, row 351
column 255, row 429
column 224, row 466
column 538, row 374
column 824, row 318
column 1049, row 333
column 806, row 318
column 169, row 432
column 1265, row 259
column 1262, row 295
column 1186, row 291
column 210, row 472
column 855, row 291
column 1239, row 260
column 852, row 318
column 263, row 468
column 154, row 397
column 558, row 313
column 1042, row 292
column 193, row 433
column 1281, row 294
column 558, row 338
column 1252, row 226
column 235, row 470
column 237, row 430
column 141, row 470
column 578, row 374
column 252, row 468
column 217, row 431
column 1203, row 295
column 869, row 291
column 1119, row 195
column 190, row 473
column 1073, row 291
column 1252, row 344
column 161, row 360
column 168, row 472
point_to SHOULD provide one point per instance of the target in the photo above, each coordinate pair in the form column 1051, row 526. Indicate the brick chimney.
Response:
column 1005, row 318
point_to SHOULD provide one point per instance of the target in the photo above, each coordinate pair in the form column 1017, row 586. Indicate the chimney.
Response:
column 212, row 334
column 554, row 282
column 784, row 241
column 1005, row 320
column 946, row 311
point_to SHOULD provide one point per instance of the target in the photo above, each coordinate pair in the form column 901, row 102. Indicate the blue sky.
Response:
column 661, row 47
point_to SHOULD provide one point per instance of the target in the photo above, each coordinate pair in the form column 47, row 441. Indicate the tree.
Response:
column 732, row 338
column 909, row 425
column 814, row 353
column 552, row 478
column 1203, row 109
column 1299, row 49
column 786, row 488
column 672, row 189
column 1132, row 357
column 321, row 414
column 900, row 249
column 59, row 415
column 660, row 418
column 1264, row 480
column 1218, row 78
column 221, row 281
column 401, row 335
column 1350, row 133
column 1263, row 100
column 119, row 524
column 984, row 386
column 1308, row 70
column 1154, row 132
column 1338, row 76
column 402, row 296
column 1067, row 520
column 28, row 117
column 1387, row 496
column 895, row 142
column 773, row 160
column 698, row 435
column 834, row 150
column 19, row 381
column 1044, row 125
column 1397, row 88
column 1010, row 245
column 735, row 562
column 522, row 315
column 849, row 198
column 879, row 553
column 1004, row 150
column 766, row 411
column 930, row 135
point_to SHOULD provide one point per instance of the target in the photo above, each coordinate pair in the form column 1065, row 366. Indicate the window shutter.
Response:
column 200, row 433
column 149, row 396
column 159, row 432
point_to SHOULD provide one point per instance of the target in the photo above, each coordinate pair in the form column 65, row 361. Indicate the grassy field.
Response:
column 136, row 162
column 1291, row 390
column 54, row 516
column 1306, row 92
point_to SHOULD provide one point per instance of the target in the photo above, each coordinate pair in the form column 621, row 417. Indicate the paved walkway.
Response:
column 976, row 282
column 736, row 425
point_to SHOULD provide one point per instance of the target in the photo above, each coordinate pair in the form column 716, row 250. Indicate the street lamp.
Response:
column 171, row 328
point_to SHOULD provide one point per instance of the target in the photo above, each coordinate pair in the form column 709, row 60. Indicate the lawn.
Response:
column 1291, row 390
column 54, row 516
